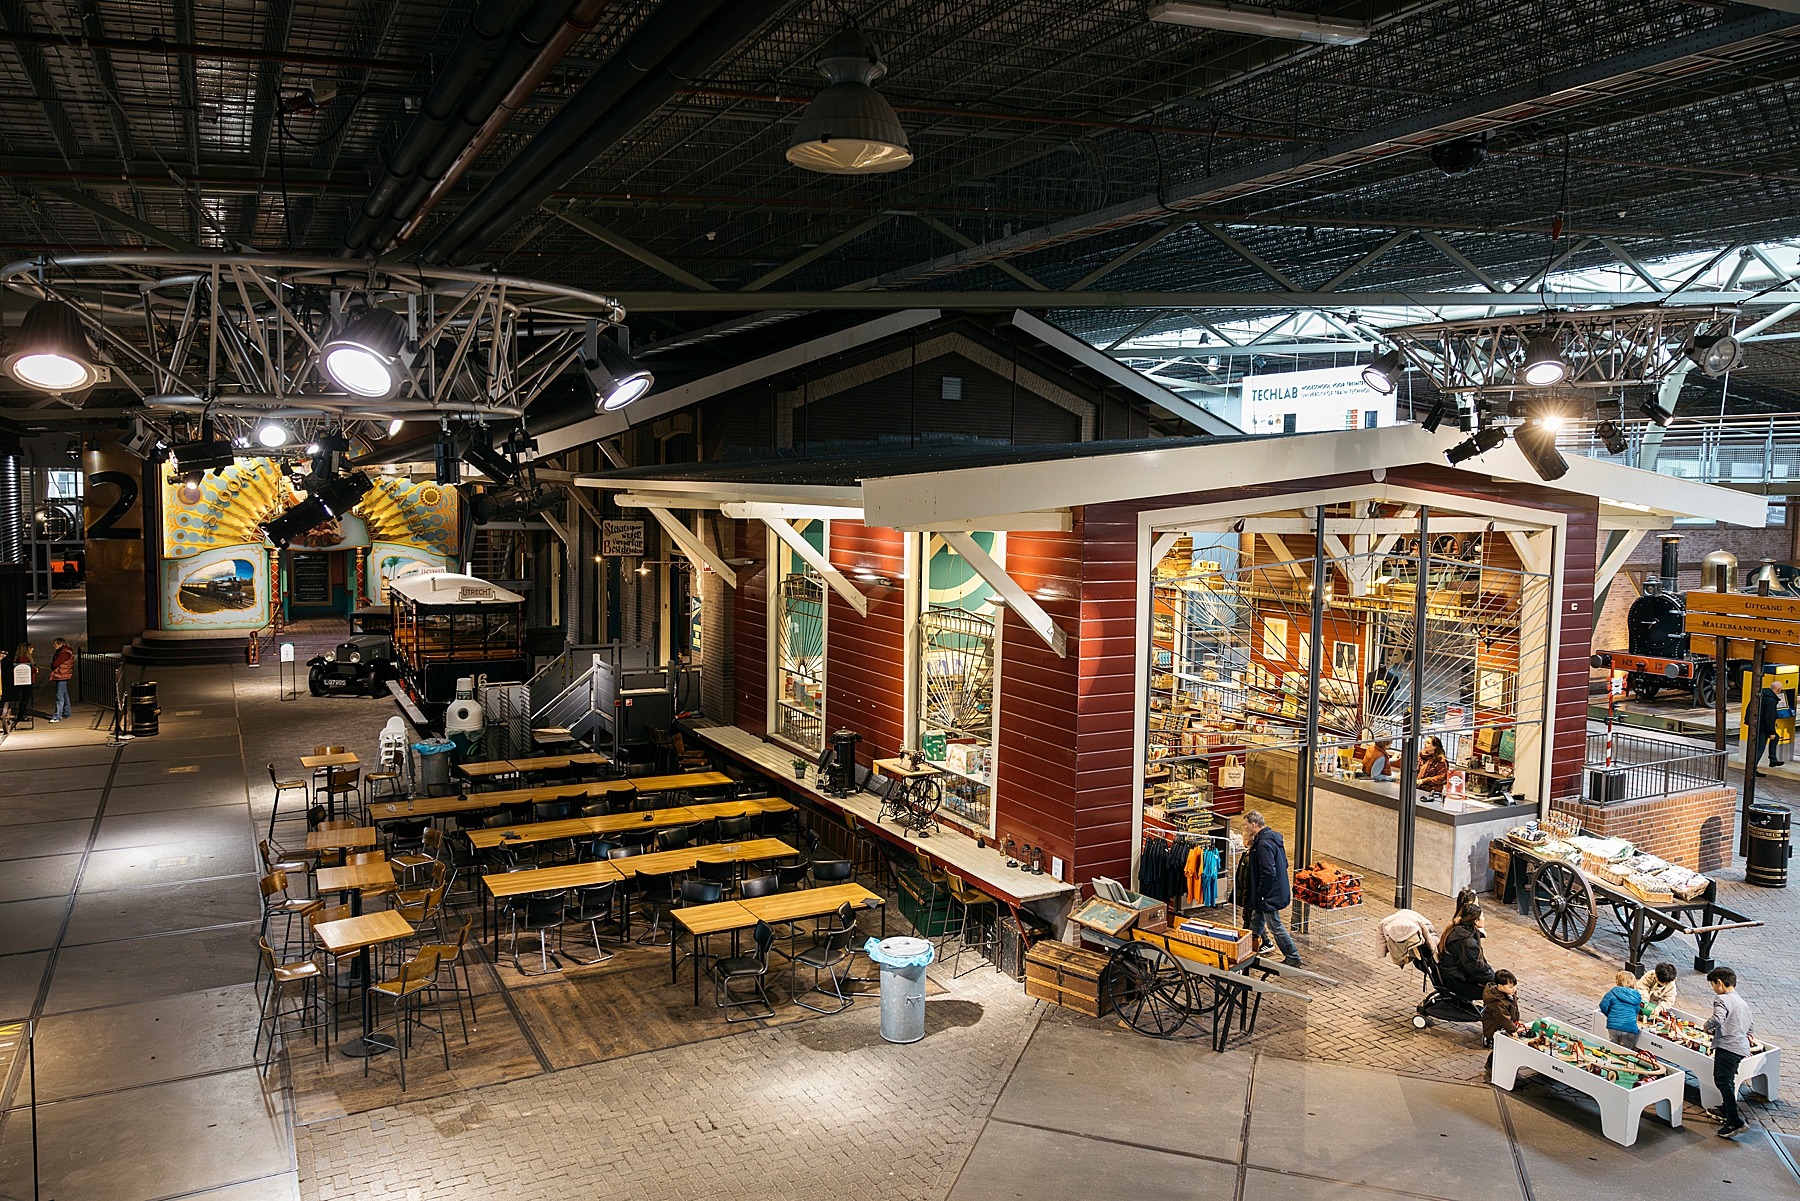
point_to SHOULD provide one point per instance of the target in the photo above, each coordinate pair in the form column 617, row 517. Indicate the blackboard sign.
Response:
column 310, row 580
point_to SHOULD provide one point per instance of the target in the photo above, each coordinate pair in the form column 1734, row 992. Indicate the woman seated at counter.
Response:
column 1434, row 766
column 1377, row 761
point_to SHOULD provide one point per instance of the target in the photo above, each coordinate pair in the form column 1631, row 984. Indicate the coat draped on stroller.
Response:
column 1407, row 937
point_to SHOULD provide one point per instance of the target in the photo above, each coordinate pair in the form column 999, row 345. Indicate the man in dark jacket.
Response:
column 1267, row 889
column 1767, row 733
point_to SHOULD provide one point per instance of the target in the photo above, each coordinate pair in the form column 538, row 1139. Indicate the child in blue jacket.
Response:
column 1621, row 1005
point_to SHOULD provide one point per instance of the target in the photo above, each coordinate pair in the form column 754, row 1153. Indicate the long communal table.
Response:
column 684, row 782
column 504, row 885
column 619, row 823
column 732, row 917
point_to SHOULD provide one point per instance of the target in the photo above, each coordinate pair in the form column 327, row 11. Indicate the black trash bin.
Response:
column 142, row 710
column 1771, row 841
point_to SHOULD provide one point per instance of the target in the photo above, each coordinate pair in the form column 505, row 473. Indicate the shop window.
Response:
column 959, row 671
column 798, row 714
column 62, row 485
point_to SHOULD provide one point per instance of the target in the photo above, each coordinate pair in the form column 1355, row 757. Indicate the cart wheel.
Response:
column 1149, row 989
column 1644, row 688
column 1706, row 690
column 1563, row 904
column 1420, row 1021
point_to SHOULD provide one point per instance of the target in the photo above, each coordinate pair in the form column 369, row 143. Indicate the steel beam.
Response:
column 124, row 220
column 1125, row 256
column 1249, row 256
column 962, row 239
column 750, row 302
column 626, row 246
column 817, row 252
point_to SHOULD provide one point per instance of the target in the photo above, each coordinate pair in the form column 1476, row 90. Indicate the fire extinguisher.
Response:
column 253, row 650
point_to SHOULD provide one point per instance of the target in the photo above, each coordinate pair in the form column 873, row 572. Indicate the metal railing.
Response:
column 1643, row 767
column 1730, row 450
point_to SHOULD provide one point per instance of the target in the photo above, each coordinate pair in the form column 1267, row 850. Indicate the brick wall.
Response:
column 1693, row 829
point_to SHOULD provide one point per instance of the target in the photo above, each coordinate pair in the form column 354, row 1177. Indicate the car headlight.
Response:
column 331, row 656
column 356, row 656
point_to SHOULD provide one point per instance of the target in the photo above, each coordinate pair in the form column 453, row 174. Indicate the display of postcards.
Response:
column 1163, row 658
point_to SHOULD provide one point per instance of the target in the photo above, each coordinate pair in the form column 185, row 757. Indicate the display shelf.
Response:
column 945, row 767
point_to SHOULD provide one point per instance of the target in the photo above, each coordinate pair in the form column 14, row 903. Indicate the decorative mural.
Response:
column 216, row 569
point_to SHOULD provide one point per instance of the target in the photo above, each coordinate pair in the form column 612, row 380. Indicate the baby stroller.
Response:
column 1439, row 1002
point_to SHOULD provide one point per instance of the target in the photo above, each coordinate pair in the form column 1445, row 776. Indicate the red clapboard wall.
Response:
column 1106, row 701
column 1035, row 796
column 750, row 630
column 865, row 657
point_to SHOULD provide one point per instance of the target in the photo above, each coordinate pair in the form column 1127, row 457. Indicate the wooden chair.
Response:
column 409, row 992
column 284, row 786
column 297, row 982
column 964, row 901
column 452, row 958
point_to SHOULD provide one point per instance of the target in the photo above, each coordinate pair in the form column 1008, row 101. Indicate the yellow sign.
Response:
column 1772, row 608
column 1720, row 626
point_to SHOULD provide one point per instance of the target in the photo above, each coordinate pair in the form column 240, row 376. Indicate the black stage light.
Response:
column 515, row 503
column 485, row 459
column 203, row 455
column 1612, row 436
column 1434, row 418
column 328, row 498
column 449, row 458
column 1716, row 354
column 1480, row 443
column 617, row 378
column 1537, row 442
column 1544, row 362
column 1652, row 408
column 1460, row 156
column 1384, row 371
column 368, row 355
column 51, row 351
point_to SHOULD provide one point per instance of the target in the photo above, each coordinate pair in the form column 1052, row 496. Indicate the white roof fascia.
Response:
column 605, row 425
column 1098, row 360
column 712, row 492
column 445, row 588
column 1627, row 487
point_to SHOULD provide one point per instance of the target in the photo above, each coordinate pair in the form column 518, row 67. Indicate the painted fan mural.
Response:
column 217, row 568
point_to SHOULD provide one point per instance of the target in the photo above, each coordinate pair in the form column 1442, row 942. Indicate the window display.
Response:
column 959, row 651
column 798, row 715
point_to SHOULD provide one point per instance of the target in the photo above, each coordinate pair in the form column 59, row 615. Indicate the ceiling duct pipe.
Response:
column 647, row 71
column 486, row 28
column 442, row 171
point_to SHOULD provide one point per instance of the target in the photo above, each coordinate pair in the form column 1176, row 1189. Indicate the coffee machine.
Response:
column 840, row 770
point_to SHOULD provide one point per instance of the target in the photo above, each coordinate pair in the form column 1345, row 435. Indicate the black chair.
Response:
column 658, row 891
column 783, row 824
column 596, row 849
column 754, row 968
column 625, row 851
column 540, row 914
column 751, row 887
column 553, row 811
column 599, row 808
column 825, row 956
column 591, row 906
column 792, row 876
column 723, row 874
column 832, row 871
column 674, row 838
column 701, row 892
column 735, row 829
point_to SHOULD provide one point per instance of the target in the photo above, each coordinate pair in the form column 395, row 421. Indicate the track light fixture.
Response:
column 1383, row 372
column 395, row 426
column 1612, row 436
column 141, row 442
column 368, row 356
column 1716, row 354
column 1537, row 442
column 51, row 351
column 1434, row 418
column 617, row 378
column 1478, row 443
column 1544, row 364
column 849, row 128
column 1652, row 408
column 271, row 434
column 516, row 502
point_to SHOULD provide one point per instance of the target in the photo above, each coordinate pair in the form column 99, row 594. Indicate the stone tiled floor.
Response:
column 1341, row 1098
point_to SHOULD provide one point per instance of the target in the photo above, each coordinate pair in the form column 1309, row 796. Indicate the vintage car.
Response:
column 361, row 664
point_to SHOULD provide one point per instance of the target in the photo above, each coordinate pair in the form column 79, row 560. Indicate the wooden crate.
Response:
column 1067, row 976
column 1233, row 952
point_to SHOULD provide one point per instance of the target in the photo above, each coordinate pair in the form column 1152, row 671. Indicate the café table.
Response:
column 340, row 840
column 503, row 885
column 684, row 781
column 358, row 935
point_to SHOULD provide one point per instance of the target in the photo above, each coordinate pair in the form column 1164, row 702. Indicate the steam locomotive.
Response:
column 1660, row 657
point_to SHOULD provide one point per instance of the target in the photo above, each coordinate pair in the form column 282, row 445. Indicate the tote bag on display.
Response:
column 1231, row 772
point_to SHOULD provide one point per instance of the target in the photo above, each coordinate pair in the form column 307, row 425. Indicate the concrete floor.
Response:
column 127, row 905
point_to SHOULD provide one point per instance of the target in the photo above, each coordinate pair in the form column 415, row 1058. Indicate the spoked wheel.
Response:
column 1149, row 989
column 926, row 796
column 1706, row 688
column 1563, row 904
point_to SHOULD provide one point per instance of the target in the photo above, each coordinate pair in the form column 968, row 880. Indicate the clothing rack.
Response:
column 1163, row 867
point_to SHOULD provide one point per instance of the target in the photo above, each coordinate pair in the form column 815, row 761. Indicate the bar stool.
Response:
column 410, row 991
column 299, row 982
column 865, row 848
column 382, row 785
column 276, row 903
column 450, row 959
column 282, row 786
column 321, row 775
column 963, row 901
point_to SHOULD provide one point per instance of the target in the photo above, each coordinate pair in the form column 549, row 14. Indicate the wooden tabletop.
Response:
column 899, row 769
column 578, row 827
column 431, row 806
column 551, row 879
column 556, row 762
column 356, row 933
column 552, row 734
column 684, row 859
column 554, row 792
column 340, row 759
column 693, row 779
column 713, row 919
column 481, row 771
column 355, row 875
column 735, row 808
column 810, row 902
column 338, row 840
column 649, row 819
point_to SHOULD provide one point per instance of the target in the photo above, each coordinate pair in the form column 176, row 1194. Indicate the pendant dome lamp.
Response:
column 51, row 351
column 849, row 128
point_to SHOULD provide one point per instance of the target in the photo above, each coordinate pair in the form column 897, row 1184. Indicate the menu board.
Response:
column 310, row 580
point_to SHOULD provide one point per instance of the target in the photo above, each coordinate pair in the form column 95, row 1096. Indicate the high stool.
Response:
column 283, row 786
column 963, row 901
column 383, row 785
column 341, row 781
column 298, row 982
column 276, row 903
column 865, row 850
column 410, row 991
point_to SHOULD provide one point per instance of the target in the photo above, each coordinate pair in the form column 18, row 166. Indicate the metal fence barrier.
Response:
column 1643, row 767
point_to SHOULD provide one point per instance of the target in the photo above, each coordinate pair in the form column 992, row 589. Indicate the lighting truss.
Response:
column 238, row 338
column 1637, row 345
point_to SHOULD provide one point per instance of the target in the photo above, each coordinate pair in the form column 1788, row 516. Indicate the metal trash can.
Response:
column 143, row 713
column 434, row 766
column 902, row 961
column 1771, row 843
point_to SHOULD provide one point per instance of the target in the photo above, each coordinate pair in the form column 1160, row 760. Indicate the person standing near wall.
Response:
column 1268, row 888
column 23, row 674
column 62, row 670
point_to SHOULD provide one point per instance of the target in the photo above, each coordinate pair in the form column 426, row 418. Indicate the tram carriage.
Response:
column 447, row 626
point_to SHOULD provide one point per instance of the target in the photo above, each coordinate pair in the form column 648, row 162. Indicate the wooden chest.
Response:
column 1067, row 976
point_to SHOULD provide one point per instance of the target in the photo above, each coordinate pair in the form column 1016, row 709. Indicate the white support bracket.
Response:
column 690, row 544
column 832, row 576
column 755, row 510
column 1615, row 559
column 1530, row 557
column 1016, row 598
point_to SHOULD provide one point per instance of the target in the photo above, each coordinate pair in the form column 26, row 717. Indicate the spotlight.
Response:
column 191, row 491
column 141, row 442
column 1480, row 443
column 51, row 351
column 296, row 521
column 516, row 503
column 1544, row 364
column 1612, row 436
column 1383, row 373
column 368, row 355
column 1716, row 354
column 485, row 459
column 1652, row 408
column 203, row 455
column 617, row 378
column 449, row 458
column 395, row 425
column 1537, row 442
column 272, row 434
column 1459, row 157
column 327, row 498
column 849, row 128
column 312, row 448
column 328, row 455
column 1434, row 418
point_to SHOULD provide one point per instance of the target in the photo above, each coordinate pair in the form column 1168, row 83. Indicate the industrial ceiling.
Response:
column 1120, row 173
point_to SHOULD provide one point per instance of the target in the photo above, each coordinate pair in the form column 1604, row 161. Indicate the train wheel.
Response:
column 1706, row 689
column 1643, row 687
